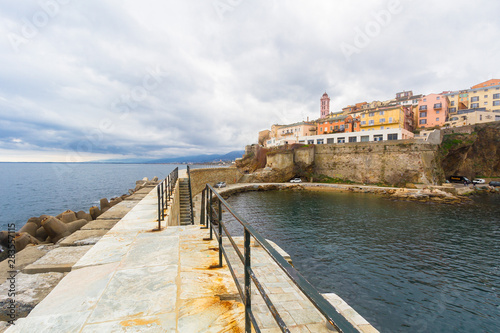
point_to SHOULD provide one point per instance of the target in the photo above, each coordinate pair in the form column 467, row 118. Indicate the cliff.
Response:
column 472, row 152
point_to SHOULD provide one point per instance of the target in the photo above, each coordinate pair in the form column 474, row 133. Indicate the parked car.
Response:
column 220, row 185
column 459, row 179
column 296, row 180
column 494, row 183
column 478, row 181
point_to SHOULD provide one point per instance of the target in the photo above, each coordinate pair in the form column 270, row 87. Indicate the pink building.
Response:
column 325, row 105
column 432, row 110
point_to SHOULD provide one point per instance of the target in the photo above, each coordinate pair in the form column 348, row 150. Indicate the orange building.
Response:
column 489, row 83
column 338, row 124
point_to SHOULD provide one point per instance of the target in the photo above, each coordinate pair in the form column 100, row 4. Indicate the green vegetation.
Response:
column 330, row 180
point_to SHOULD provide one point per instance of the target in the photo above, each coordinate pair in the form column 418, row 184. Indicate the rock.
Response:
column 23, row 239
column 68, row 216
column 55, row 228
column 94, row 212
column 155, row 179
column 30, row 228
column 82, row 215
column 410, row 185
column 104, row 203
column 41, row 234
column 76, row 225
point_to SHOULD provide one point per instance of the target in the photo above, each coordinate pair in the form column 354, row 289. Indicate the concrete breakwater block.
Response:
column 68, row 216
column 100, row 224
column 94, row 211
column 83, row 237
column 31, row 289
column 83, row 215
column 60, row 259
column 30, row 228
column 55, row 228
column 23, row 239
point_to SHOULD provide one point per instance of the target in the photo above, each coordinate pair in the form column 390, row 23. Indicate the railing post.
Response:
column 248, row 293
column 220, row 233
column 190, row 194
column 162, row 202
column 202, row 211
column 211, row 217
column 159, row 207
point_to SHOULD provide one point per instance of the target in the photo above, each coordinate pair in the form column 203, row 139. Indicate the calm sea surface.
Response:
column 33, row 189
column 404, row 266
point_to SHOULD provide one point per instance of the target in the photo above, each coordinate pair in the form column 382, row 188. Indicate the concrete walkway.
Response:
column 139, row 280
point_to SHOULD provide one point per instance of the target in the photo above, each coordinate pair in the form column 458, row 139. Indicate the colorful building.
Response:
column 389, row 117
column 471, row 117
column 432, row 111
column 337, row 124
column 483, row 95
column 325, row 105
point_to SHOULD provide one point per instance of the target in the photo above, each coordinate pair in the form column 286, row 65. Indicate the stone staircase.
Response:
column 185, row 204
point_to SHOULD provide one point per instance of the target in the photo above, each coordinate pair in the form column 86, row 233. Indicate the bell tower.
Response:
column 325, row 105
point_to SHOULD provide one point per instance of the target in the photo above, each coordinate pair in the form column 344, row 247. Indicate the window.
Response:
column 452, row 110
column 425, row 99
column 390, row 119
column 423, row 114
column 423, row 107
column 381, row 127
column 363, row 115
column 496, row 96
column 331, row 128
column 485, row 96
column 437, row 119
column 382, row 120
column 485, row 103
column 422, row 121
column 438, row 98
column 336, row 127
column 310, row 142
column 474, row 99
column 485, row 90
column 371, row 122
column 330, row 140
column 474, row 105
column 321, row 129
column 437, row 112
column 452, row 103
column 352, row 139
column 480, row 117
column 365, row 138
column 377, row 137
column 452, row 95
column 341, row 140
column 363, row 122
column 319, row 141
column 438, row 106
column 392, row 136
column 341, row 127
column 381, row 113
column 370, row 114
column 496, row 103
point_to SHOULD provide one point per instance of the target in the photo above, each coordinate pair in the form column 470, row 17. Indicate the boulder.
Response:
column 94, row 211
column 30, row 228
column 55, row 228
column 23, row 239
column 82, row 215
column 68, row 216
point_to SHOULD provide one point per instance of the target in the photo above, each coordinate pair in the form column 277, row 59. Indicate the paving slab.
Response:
column 60, row 259
column 83, row 237
column 100, row 224
column 119, row 210
column 27, row 256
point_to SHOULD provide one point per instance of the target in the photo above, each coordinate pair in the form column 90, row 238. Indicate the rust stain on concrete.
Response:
column 139, row 322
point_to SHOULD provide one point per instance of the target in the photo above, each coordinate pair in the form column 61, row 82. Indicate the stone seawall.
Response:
column 199, row 177
column 395, row 163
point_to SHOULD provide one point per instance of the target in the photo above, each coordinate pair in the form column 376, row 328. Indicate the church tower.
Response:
column 325, row 105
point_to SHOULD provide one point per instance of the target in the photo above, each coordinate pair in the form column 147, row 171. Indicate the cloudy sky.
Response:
column 86, row 80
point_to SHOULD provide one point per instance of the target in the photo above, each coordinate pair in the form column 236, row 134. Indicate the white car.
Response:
column 478, row 181
column 296, row 180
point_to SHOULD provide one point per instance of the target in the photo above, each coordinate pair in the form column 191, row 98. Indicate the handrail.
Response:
column 327, row 310
column 190, row 195
column 164, row 192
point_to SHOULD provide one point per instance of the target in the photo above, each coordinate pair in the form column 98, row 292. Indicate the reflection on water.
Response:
column 404, row 266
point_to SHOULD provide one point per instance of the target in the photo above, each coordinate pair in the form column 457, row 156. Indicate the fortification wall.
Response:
column 199, row 177
column 379, row 162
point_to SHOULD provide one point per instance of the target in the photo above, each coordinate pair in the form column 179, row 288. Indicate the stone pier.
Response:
column 136, row 279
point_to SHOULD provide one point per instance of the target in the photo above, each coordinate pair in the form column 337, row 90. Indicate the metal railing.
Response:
column 190, row 194
column 211, row 217
column 164, row 192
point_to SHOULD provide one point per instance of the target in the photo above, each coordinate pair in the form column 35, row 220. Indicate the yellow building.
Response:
column 484, row 95
column 387, row 118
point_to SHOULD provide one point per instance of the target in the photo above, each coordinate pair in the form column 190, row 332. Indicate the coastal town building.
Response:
column 407, row 98
column 390, row 117
column 483, row 95
column 325, row 105
column 471, row 117
column 338, row 124
column 288, row 134
column 432, row 111
column 371, row 136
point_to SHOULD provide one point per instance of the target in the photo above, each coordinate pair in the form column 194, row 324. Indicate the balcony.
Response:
column 438, row 106
column 423, row 108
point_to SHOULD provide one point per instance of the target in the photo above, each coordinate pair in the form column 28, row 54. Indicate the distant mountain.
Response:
column 231, row 156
